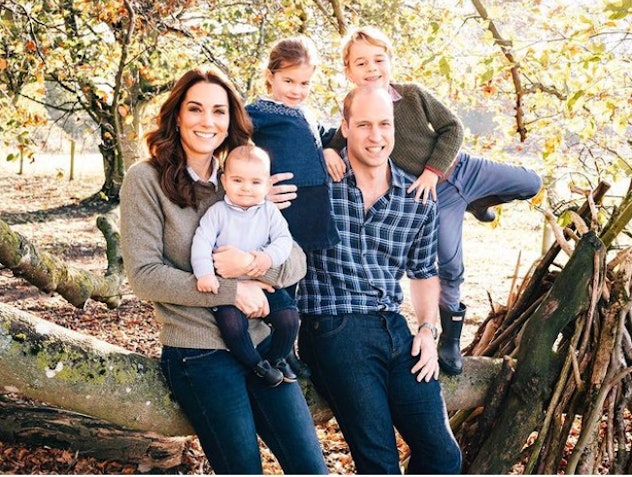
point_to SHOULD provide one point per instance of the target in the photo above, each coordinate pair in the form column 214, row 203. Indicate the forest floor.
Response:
column 44, row 205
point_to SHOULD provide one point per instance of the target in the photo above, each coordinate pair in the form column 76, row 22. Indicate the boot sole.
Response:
column 449, row 370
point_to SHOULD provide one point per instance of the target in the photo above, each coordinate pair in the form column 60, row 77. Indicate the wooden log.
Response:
column 45, row 426
column 537, row 364
column 69, row 370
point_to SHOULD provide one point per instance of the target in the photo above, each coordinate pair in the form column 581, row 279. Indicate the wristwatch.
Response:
column 431, row 327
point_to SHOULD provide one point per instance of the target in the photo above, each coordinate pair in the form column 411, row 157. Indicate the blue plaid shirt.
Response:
column 362, row 273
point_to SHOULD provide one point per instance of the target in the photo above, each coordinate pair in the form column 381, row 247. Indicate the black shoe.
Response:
column 299, row 366
column 270, row 375
column 286, row 370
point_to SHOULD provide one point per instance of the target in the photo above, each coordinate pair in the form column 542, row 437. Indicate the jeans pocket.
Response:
column 327, row 326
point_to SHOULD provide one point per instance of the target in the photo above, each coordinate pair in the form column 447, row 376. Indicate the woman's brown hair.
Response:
column 165, row 148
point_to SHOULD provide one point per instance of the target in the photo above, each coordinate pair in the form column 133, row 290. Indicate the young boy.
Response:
column 428, row 138
column 246, row 220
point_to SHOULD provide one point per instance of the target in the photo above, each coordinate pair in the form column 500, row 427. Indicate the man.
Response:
column 364, row 359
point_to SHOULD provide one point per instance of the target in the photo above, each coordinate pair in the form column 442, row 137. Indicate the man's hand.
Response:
column 282, row 195
column 335, row 165
column 208, row 283
column 426, row 184
column 424, row 346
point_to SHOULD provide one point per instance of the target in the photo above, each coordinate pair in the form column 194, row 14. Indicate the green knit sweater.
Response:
column 427, row 133
column 156, row 237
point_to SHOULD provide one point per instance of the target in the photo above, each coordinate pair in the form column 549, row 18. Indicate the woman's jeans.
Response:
column 228, row 406
column 473, row 178
column 361, row 363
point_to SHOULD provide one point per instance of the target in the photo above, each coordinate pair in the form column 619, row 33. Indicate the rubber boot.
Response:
column 449, row 342
column 482, row 208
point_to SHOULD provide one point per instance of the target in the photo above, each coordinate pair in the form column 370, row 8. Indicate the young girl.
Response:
column 428, row 139
column 285, row 129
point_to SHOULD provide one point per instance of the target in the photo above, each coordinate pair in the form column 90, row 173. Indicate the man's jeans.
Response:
column 228, row 405
column 362, row 366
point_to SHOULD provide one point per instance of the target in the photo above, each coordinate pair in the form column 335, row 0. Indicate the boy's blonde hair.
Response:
column 247, row 152
column 289, row 52
column 371, row 35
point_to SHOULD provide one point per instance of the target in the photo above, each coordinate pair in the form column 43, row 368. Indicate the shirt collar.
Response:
column 398, row 179
column 231, row 204
column 214, row 169
column 395, row 96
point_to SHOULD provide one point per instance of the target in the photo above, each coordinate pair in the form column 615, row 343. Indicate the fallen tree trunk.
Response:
column 51, row 274
column 90, row 437
column 77, row 372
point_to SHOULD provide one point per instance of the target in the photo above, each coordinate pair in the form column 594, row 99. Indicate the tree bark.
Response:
column 45, row 426
column 538, row 365
column 72, row 371
column 51, row 274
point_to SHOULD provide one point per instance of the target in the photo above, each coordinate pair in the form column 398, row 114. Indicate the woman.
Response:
column 162, row 200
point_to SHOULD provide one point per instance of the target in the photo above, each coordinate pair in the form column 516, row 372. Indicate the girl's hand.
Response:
column 335, row 165
column 282, row 195
column 426, row 184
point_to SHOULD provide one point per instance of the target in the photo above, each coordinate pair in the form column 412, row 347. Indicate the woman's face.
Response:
column 203, row 120
column 368, row 64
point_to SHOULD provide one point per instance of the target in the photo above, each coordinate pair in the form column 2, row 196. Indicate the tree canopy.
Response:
column 545, row 81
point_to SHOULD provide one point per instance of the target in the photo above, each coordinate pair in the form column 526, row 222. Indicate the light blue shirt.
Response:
column 261, row 227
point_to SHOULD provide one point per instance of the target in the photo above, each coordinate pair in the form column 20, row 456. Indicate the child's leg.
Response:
column 285, row 323
column 485, row 184
column 233, row 325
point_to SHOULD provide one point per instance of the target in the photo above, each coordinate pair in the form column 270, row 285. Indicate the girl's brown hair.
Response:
column 290, row 52
column 165, row 149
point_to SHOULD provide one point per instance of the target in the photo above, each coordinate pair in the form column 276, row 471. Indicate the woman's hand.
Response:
column 425, row 184
column 262, row 262
column 251, row 300
column 231, row 262
column 282, row 195
column 335, row 165
column 424, row 346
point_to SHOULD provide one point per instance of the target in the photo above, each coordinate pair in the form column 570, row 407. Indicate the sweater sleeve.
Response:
column 204, row 242
column 145, row 212
column 446, row 125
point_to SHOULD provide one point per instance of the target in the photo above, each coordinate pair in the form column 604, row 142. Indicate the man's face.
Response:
column 370, row 129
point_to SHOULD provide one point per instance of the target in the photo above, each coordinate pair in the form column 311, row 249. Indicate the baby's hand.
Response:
column 208, row 283
column 335, row 165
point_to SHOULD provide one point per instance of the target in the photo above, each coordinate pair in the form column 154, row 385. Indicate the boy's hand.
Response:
column 426, row 184
column 208, row 283
column 335, row 165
